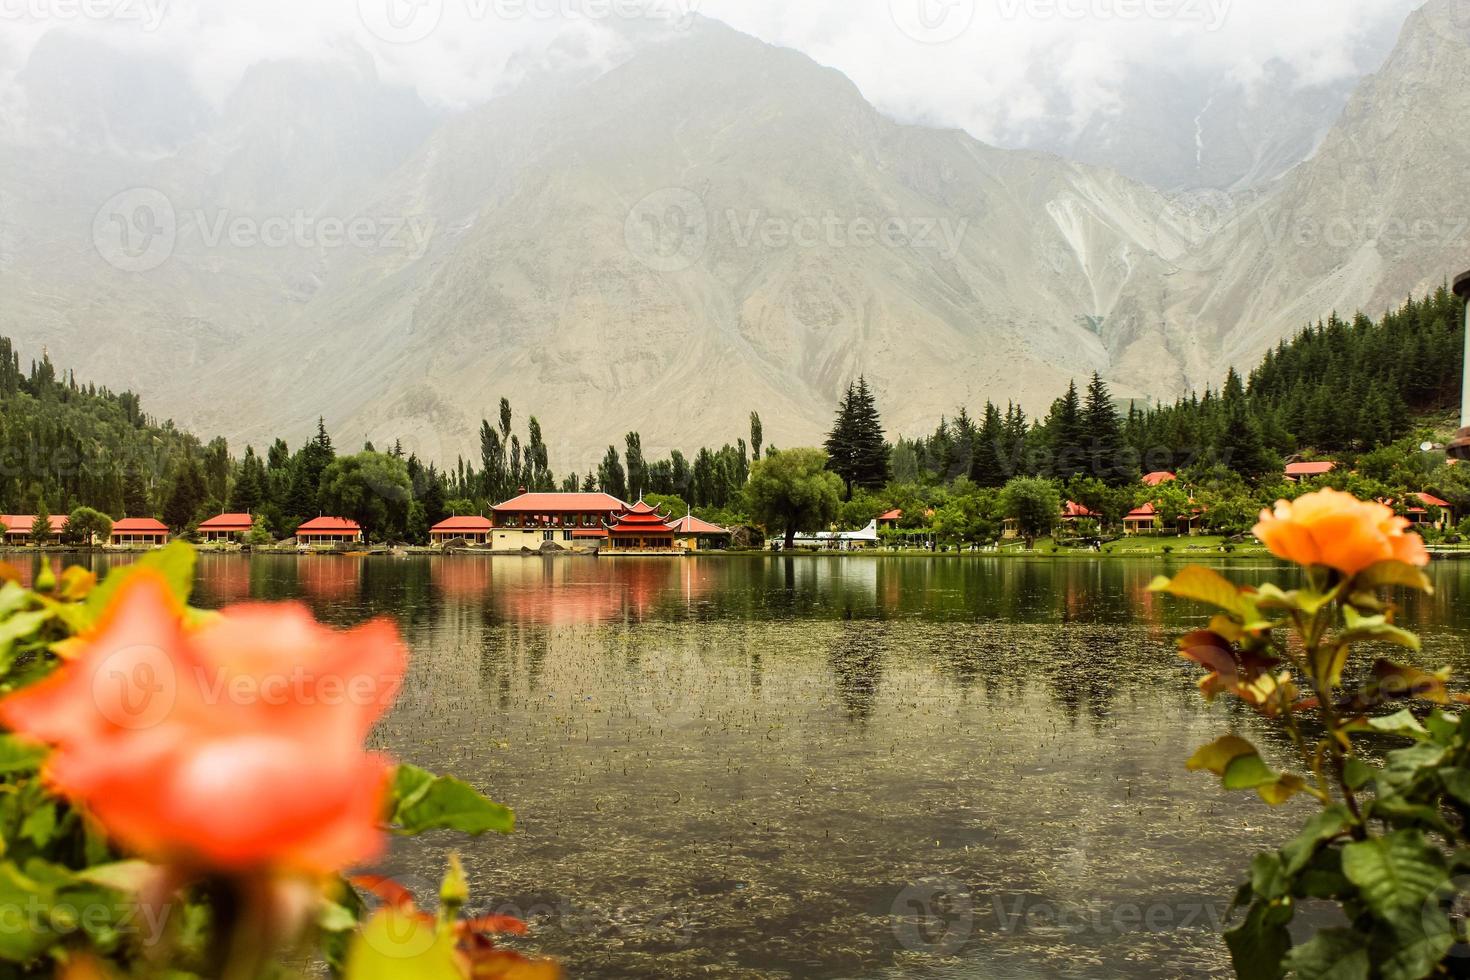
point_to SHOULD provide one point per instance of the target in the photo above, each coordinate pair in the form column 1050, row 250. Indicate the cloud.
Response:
column 995, row 68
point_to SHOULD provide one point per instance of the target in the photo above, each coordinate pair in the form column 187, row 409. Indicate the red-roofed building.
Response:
column 571, row 520
column 1072, row 512
column 226, row 527
column 134, row 532
column 1141, row 520
column 640, row 528
column 690, row 532
column 17, row 528
column 1158, row 477
column 1419, row 510
column 475, row 530
column 1296, row 472
column 329, row 530
column 889, row 521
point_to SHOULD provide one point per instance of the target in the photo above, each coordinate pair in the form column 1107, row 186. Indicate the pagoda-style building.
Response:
column 640, row 528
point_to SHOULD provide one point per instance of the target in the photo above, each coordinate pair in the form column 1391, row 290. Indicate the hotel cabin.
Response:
column 329, row 530
column 17, row 528
column 139, row 532
column 692, row 534
column 226, row 527
column 473, row 530
column 1145, row 520
column 1297, row 472
column 1418, row 509
column 571, row 520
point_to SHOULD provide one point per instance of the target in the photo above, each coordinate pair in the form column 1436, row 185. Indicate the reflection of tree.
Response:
column 856, row 656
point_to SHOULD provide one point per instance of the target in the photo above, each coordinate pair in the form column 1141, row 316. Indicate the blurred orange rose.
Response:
column 1340, row 531
column 233, row 746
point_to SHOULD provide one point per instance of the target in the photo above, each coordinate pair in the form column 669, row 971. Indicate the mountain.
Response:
column 714, row 225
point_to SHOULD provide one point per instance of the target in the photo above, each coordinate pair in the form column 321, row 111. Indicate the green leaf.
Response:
column 19, row 756
column 1323, row 826
column 1361, row 629
column 422, row 801
column 1456, row 782
column 1207, row 586
column 17, row 891
column 1332, row 954
column 129, row 877
column 1393, row 574
column 1259, row 944
column 1401, row 723
column 1268, row 877
column 1248, row 772
column 1357, row 773
column 39, row 825
column 21, row 626
column 331, row 917
column 1395, row 872
column 1412, row 943
column 175, row 562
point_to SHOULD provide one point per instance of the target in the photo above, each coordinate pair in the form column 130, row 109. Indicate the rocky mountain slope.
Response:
column 715, row 225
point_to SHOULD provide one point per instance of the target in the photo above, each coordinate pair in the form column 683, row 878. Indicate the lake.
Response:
column 823, row 767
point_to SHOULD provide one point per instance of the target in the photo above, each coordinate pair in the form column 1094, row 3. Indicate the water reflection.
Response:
column 753, row 766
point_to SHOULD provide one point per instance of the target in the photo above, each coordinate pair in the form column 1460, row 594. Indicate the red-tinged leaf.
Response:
column 1218, row 755
column 1396, row 681
column 506, row 925
column 387, row 891
column 505, row 964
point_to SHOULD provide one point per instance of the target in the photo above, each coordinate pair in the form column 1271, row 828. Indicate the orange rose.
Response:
column 1340, row 531
column 233, row 746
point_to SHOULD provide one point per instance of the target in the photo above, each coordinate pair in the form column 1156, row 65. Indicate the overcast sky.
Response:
column 988, row 66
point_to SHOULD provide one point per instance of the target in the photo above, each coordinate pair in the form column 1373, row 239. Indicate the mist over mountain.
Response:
column 709, row 226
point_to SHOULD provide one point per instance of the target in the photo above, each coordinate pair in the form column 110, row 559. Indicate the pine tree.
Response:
column 41, row 526
column 184, row 500
column 988, row 465
column 757, row 436
column 637, row 469
column 856, row 448
column 135, row 495
column 1066, row 429
column 1109, row 458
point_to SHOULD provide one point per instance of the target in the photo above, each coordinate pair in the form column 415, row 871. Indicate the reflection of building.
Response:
column 570, row 520
column 640, row 528
column 226, row 527
column 692, row 534
column 134, row 531
column 475, row 530
column 329, row 577
column 17, row 528
column 329, row 530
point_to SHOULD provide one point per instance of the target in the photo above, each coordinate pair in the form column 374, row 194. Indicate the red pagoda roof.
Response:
column 1073, row 509
column 640, row 519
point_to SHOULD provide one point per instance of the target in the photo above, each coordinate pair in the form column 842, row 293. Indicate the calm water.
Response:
column 822, row 767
